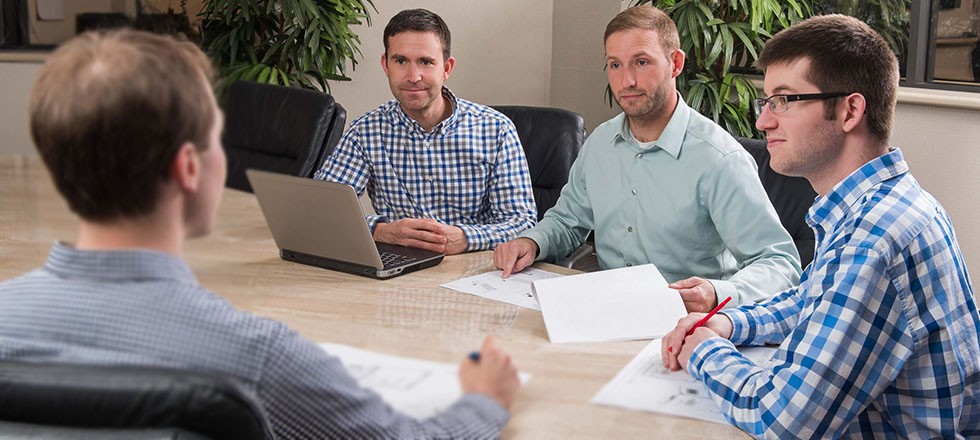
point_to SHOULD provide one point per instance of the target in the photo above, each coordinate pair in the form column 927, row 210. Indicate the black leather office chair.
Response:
column 278, row 129
column 791, row 196
column 59, row 401
column 552, row 138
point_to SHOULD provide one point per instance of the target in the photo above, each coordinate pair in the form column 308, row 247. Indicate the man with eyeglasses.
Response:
column 880, row 340
column 662, row 184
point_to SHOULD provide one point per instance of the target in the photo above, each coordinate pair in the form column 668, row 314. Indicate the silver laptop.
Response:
column 321, row 224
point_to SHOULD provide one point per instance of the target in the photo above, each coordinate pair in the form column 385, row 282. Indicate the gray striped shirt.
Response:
column 140, row 307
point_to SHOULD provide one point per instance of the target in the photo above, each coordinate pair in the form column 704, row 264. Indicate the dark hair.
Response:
column 647, row 18
column 845, row 55
column 419, row 20
column 110, row 111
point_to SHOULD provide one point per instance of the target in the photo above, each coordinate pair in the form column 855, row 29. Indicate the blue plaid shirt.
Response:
column 881, row 337
column 145, row 308
column 469, row 171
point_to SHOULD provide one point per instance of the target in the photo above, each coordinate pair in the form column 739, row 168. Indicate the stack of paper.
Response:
column 619, row 304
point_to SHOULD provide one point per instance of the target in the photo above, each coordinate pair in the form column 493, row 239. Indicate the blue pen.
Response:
column 475, row 356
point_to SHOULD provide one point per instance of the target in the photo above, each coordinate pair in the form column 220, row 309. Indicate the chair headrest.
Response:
column 129, row 397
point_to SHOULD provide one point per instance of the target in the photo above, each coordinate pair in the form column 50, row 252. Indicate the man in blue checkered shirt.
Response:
column 443, row 173
column 880, row 340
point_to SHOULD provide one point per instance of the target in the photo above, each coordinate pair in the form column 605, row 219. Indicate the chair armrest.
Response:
column 582, row 251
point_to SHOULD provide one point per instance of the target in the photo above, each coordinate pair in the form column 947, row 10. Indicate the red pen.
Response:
column 704, row 320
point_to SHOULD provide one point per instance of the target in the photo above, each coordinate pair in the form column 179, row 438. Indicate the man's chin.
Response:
column 413, row 104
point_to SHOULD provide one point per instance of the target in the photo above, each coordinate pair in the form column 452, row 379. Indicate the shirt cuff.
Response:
column 704, row 351
column 474, row 240
column 724, row 289
column 539, row 239
column 373, row 220
column 740, row 326
column 486, row 409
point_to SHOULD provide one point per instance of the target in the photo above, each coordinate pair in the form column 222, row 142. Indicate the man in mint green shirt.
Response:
column 662, row 184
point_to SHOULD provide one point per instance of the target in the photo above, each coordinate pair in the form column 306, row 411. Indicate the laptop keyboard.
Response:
column 390, row 259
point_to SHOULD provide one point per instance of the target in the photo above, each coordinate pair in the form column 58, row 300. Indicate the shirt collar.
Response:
column 123, row 265
column 447, row 125
column 672, row 138
column 830, row 208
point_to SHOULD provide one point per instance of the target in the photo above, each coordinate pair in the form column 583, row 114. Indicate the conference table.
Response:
column 410, row 315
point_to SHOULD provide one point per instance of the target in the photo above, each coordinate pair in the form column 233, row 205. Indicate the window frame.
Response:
column 921, row 61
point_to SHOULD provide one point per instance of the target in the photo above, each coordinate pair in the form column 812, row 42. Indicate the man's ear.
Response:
column 448, row 69
column 185, row 170
column 384, row 63
column 854, row 111
column 677, row 62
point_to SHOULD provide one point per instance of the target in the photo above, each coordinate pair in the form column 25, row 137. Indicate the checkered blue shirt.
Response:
column 469, row 171
column 881, row 337
column 145, row 308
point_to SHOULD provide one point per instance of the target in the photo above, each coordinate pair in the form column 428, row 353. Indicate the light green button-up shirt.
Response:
column 690, row 202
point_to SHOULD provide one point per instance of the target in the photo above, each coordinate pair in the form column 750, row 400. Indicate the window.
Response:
column 936, row 41
column 953, row 54
column 44, row 24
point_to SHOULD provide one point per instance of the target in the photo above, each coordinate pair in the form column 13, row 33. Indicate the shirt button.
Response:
column 425, row 144
column 634, row 192
column 629, row 229
column 639, row 155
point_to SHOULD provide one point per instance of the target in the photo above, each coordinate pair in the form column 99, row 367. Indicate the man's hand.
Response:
column 698, row 294
column 422, row 233
column 493, row 375
column 676, row 343
column 455, row 238
column 513, row 256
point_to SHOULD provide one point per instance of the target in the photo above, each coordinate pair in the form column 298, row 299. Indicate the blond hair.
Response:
column 109, row 112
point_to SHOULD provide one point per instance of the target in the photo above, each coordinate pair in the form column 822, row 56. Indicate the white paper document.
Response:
column 610, row 305
column 515, row 289
column 415, row 387
column 646, row 385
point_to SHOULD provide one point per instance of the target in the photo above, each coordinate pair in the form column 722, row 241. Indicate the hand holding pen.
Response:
column 490, row 372
column 678, row 345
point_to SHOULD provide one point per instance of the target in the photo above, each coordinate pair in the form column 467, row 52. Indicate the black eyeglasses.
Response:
column 780, row 103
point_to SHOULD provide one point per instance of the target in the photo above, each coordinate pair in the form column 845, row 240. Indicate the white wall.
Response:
column 578, row 81
column 16, row 80
column 502, row 50
column 942, row 147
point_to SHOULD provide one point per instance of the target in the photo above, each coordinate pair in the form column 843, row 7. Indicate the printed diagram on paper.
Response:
column 393, row 378
column 646, row 385
column 515, row 289
column 416, row 387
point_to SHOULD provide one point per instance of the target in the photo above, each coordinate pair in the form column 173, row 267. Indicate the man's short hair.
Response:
column 648, row 18
column 419, row 20
column 845, row 55
column 110, row 111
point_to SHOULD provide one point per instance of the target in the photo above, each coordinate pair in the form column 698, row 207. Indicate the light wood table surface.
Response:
column 408, row 316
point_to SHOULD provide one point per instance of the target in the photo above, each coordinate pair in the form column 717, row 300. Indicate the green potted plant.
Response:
column 722, row 39
column 889, row 17
column 297, row 43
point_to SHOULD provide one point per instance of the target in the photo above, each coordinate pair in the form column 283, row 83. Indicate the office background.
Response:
column 550, row 53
